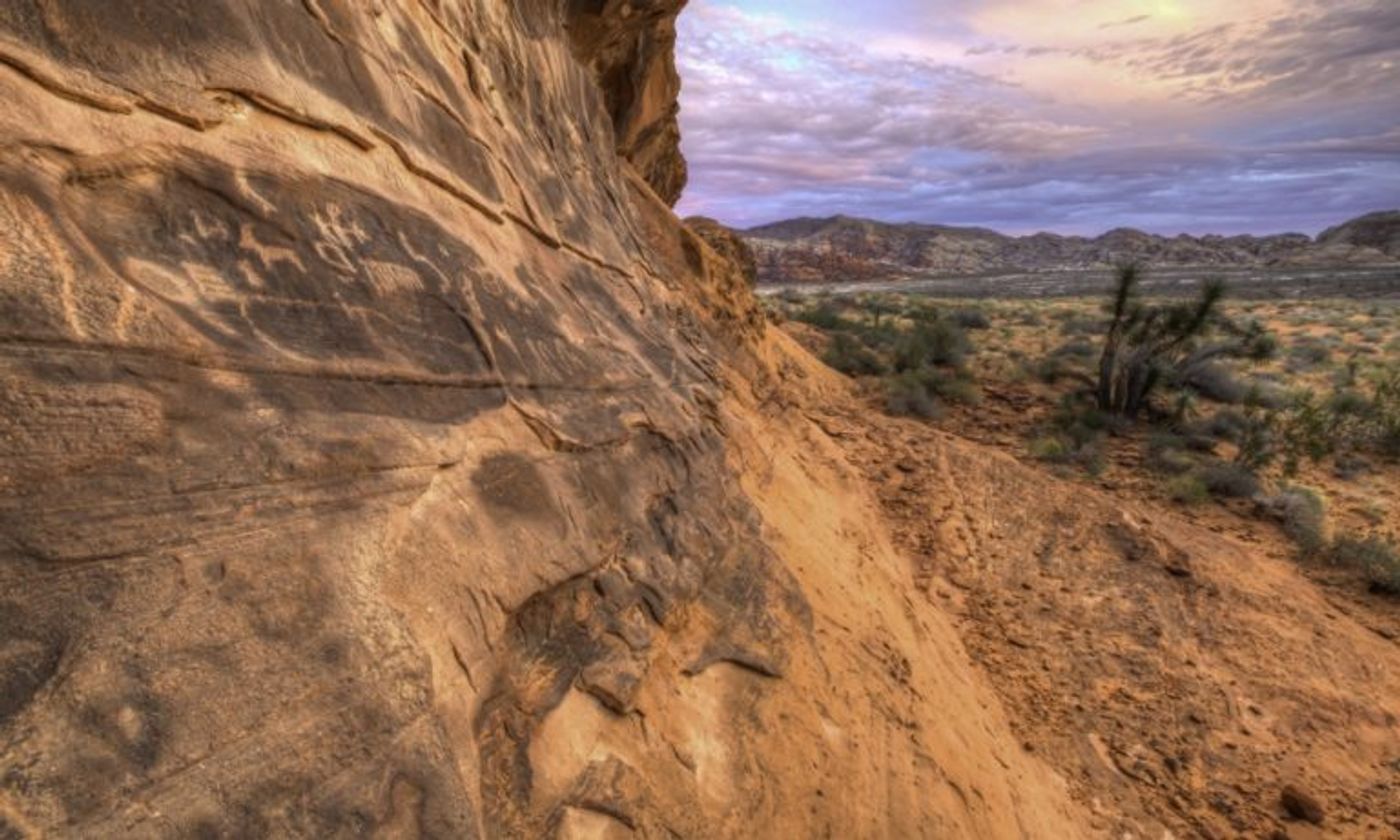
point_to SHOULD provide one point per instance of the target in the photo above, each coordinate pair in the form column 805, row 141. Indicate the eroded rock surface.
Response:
column 630, row 47
column 381, row 457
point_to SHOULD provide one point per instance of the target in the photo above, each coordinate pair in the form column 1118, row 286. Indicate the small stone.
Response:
column 1301, row 805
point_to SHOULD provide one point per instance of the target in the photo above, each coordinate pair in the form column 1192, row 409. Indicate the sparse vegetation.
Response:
column 1302, row 512
column 917, row 352
column 1230, row 481
column 1188, row 489
column 1212, row 402
column 1376, row 558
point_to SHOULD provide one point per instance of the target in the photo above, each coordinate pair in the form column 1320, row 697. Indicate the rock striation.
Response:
column 819, row 250
column 379, row 456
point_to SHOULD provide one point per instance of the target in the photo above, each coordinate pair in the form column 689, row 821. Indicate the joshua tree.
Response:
column 1147, row 343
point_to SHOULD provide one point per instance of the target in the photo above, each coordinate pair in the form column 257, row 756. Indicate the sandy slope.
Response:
column 1178, row 678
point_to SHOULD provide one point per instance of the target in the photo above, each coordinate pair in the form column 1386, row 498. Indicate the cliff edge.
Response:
column 381, row 457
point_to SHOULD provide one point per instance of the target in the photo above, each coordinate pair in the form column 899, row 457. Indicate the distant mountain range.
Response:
column 842, row 248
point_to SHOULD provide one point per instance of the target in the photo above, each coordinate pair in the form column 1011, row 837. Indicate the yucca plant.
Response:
column 1149, row 343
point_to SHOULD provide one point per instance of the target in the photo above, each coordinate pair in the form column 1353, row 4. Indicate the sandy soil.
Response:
column 1175, row 665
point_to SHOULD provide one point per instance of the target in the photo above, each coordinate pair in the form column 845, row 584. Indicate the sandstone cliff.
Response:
column 382, row 458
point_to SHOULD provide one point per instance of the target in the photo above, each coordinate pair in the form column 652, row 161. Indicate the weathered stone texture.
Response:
column 371, row 443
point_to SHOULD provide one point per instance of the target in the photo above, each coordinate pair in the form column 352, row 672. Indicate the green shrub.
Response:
column 1188, row 489
column 1375, row 557
column 907, row 395
column 848, row 355
column 1072, row 446
column 936, row 342
column 1303, row 513
column 1225, row 424
column 1050, row 448
column 971, row 319
column 1264, row 347
column 1385, row 412
column 1229, row 481
column 824, row 316
column 951, row 386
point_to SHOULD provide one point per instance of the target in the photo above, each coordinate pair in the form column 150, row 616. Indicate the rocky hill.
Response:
column 814, row 250
column 1377, row 231
column 379, row 456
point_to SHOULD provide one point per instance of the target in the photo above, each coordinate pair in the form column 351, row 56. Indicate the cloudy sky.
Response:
column 1075, row 116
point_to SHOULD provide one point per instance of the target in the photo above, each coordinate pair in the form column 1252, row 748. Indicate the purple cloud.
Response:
column 1286, row 120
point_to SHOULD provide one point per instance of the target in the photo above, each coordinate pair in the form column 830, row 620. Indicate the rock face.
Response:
column 727, row 243
column 819, row 250
column 379, row 456
column 630, row 46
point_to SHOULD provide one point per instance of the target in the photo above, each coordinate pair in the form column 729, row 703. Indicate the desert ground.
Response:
column 1067, row 544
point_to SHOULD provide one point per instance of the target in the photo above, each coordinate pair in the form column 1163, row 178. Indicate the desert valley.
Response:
column 411, row 429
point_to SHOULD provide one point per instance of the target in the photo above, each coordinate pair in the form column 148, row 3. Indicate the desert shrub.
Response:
column 1075, row 435
column 1078, row 348
column 1083, row 422
column 823, row 316
column 1348, row 421
column 1385, row 413
column 1229, row 481
column 1053, row 369
column 1267, row 394
column 1302, row 512
column 1348, row 402
column 1375, row 557
column 847, row 354
column 1305, row 433
column 1308, row 353
column 1188, row 489
column 877, row 307
column 934, row 342
column 1059, row 449
column 1349, row 465
column 1256, row 438
column 971, row 319
column 1215, row 381
column 881, row 337
column 950, row 386
column 1074, row 324
column 907, row 395
column 1225, row 424
column 1265, row 345
column 1166, row 454
column 1052, row 448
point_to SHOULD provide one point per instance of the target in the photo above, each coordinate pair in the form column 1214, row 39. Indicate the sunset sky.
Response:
column 1075, row 116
